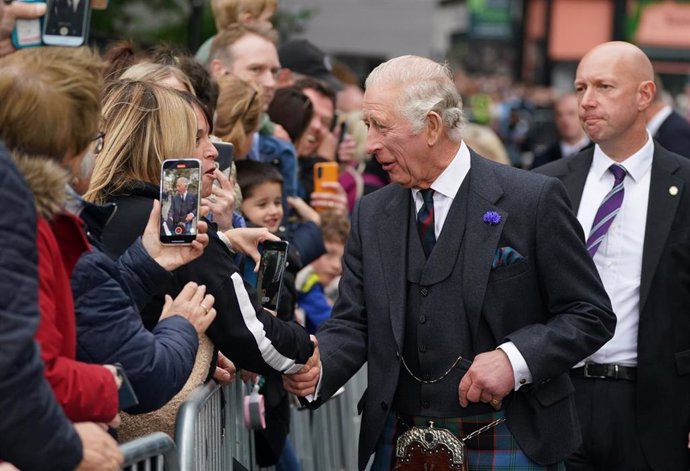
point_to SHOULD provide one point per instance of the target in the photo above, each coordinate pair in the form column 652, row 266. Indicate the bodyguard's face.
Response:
column 401, row 153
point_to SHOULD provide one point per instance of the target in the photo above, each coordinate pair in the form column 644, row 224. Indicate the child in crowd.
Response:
column 262, row 205
column 227, row 12
column 317, row 283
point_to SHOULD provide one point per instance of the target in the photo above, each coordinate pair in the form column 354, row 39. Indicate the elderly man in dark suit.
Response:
column 629, row 193
column 183, row 208
column 466, row 286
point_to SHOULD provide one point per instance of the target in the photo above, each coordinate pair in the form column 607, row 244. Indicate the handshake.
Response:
column 304, row 382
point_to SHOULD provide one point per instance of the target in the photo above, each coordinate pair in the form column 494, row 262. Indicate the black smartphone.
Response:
column 271, row 271
column 179, row 196
column 226, row 153
column 66, row 22
column 126, row 396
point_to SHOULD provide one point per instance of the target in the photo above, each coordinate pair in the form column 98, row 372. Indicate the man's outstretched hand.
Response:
column 303, row 383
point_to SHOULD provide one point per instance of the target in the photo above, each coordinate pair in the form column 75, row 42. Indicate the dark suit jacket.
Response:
column 551, row 304
column 663, row 344
column 179, row 208
column 674, row 134
column 551, row 153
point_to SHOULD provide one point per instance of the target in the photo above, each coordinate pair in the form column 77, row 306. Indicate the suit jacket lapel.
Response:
column 661, row 212
column 393, row 248
column 481, row 239
column 576, row 176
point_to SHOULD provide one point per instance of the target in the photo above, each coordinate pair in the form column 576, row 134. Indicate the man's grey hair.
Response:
column 183, row 180
column 424, row 86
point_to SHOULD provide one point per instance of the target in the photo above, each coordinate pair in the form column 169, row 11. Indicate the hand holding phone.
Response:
column 179, row 196
column 226, row 153
column 126, row 395
column 28, row 25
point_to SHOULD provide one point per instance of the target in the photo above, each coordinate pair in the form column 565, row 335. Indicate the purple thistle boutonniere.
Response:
column 492, row 218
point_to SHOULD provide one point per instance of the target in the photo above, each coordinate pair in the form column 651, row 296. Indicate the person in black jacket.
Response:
column 670, row 129
column 250, row 336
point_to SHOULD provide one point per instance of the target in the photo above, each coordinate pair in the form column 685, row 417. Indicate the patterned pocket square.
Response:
column 505, row 256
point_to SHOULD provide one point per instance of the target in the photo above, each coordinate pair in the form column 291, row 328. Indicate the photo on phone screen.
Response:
column 66, row 22
column 179, row 196
column 271, row 271
column 226, row 152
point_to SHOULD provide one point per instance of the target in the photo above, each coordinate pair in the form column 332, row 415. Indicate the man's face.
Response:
column 608, row 98
column 403, row 154
column 181, row 187
column 567, row 119
column 319, row 125
column 255, row 60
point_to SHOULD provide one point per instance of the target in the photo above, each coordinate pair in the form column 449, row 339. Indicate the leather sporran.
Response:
column 429, row 449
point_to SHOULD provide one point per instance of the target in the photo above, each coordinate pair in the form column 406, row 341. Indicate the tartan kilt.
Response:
column 492, row 450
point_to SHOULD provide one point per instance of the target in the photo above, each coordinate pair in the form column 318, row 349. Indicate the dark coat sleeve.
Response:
column 29, row 414
column 110, row 329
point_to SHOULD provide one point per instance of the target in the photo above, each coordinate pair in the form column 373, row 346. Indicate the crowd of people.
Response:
column 533, row 320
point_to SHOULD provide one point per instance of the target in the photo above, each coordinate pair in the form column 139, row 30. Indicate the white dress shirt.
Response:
column 619, row 257
column 568, row 150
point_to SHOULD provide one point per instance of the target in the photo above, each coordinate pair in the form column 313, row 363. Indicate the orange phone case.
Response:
column 325, row 172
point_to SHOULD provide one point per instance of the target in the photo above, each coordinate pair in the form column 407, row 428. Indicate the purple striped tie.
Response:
column 607, row 210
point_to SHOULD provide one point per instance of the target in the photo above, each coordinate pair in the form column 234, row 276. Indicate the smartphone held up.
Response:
column 65, row 23
column 180, row 195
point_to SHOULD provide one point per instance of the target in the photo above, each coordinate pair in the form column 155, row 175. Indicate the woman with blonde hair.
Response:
column 164, row 75
column 149, row 124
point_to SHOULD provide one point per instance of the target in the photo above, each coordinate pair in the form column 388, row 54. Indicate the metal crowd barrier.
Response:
column 154, row 452
column 210, row 434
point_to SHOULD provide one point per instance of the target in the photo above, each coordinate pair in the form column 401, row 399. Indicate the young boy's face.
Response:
column 264, row 207
column 329, row 265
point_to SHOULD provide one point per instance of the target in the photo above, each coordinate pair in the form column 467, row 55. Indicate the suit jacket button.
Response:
column 422, row 348
column 422, row 319
column 426, row 404
column 424, row 291
column 384, row 406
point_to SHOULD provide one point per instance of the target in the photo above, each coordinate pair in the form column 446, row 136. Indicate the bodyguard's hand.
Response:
column 221, row 202
column 193, row 304
column 246, row 240
column 303, row 383
column 171, row 257
column 100, row 451
column 489, row 379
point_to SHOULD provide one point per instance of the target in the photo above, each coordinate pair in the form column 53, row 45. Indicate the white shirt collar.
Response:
column 568, row 150
column 636, row 165
column 658, row 119
column 448, row 183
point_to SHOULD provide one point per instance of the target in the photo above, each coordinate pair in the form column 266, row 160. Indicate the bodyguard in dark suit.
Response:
column 633, row 395
column 466, row 286
column 667, row 126
column 183, row 207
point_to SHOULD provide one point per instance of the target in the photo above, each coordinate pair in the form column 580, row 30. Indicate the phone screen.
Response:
column 179, row 196
column 66, row 22
column 225, row 154
column 271, row 271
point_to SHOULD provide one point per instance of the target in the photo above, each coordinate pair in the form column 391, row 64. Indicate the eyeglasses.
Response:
column 100, row 138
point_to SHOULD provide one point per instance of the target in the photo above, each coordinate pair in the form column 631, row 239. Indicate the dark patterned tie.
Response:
column 607, row 210
column 425, row 221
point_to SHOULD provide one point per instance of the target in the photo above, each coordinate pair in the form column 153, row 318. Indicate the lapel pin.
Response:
column 673, row 190
column 491, row 218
